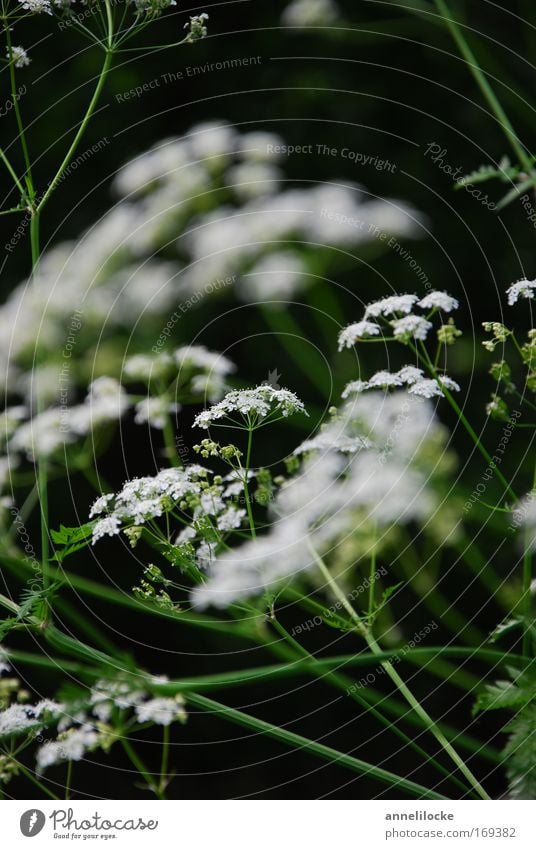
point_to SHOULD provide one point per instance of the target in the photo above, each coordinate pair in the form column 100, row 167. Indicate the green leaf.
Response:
column 513, row 694
column 72, row 539
column 520, row 755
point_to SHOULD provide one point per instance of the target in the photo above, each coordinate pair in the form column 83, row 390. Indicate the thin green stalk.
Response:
column 165, row 758
column 399, row 683
column 313, row 747
column 31, row 777
column 18, row 117
column 140, row 766
column 82, row 128
column 465, row 422
column 11, row 170
column 484, row 85
column 246, row 487
column 68, row 780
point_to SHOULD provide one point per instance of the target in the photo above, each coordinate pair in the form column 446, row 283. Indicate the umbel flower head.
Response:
column 396, row 311
column 196, row 27
column 38, row 7
column 253, row 405
column 18, row 56
column 521, row 289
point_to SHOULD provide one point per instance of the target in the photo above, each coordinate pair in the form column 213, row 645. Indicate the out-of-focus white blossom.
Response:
column 521, row 289
column 310, row 13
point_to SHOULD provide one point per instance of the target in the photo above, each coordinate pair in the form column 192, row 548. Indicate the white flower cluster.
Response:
column 18, row 718
column 362, row 467
column 37, row 7
column 18, row 56
column 253, row 404
column 80, row 726
column 145, row 498
column 310, row 13
column 409, row 376
column 405, row 325
column 117, row 271
column 521, row 289
column 51, row 430
column 193, row 488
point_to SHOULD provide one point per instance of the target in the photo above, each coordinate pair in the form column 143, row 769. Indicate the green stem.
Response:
column 83, row 126
column 467, row 425
column 313, row 747
column 399, row 683
column 140, row 766
column 345, row 684
column 18, row 117
column 246, row 487
column 164, row 768
column 31, row 777
column 68, row 779
column 11, row 170
column 484, row 85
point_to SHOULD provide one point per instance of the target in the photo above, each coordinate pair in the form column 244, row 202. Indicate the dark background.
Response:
column 385, row 82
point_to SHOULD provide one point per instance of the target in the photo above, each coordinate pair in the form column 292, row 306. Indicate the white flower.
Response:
column 43, row 434
column 253, row 179
column 524, row 517
column 523, row 289
column 310, row 13
column 391, row 305
column 439, row 301
column 410, row 376
column 101, row 504
column 384, row 380
column 106, row 401
column 154, row 411
column 199, row 357
column 259, row 146
column 334, row 438
column 37, row 6
column 196, row 27
column 256, row 564
column 354, row 388
column 357, row 330
column 429, row 388
column 230, row 519
column 277, row 275
column 161, row 710
column 71, row 747
column 19, row 56
column 17, row 717
column 144, row 367
column 411, row 327
column 109, row 526
column 145, row 498
column 255, row 404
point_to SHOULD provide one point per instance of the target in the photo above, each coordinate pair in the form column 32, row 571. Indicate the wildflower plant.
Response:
column 357, row 513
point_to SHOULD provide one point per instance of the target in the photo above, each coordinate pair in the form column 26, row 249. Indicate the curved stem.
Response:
column 397, row 680
column 484, row 85
column 81, row 130
column 246, row 488
column 18, row 116
column 313, row 747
